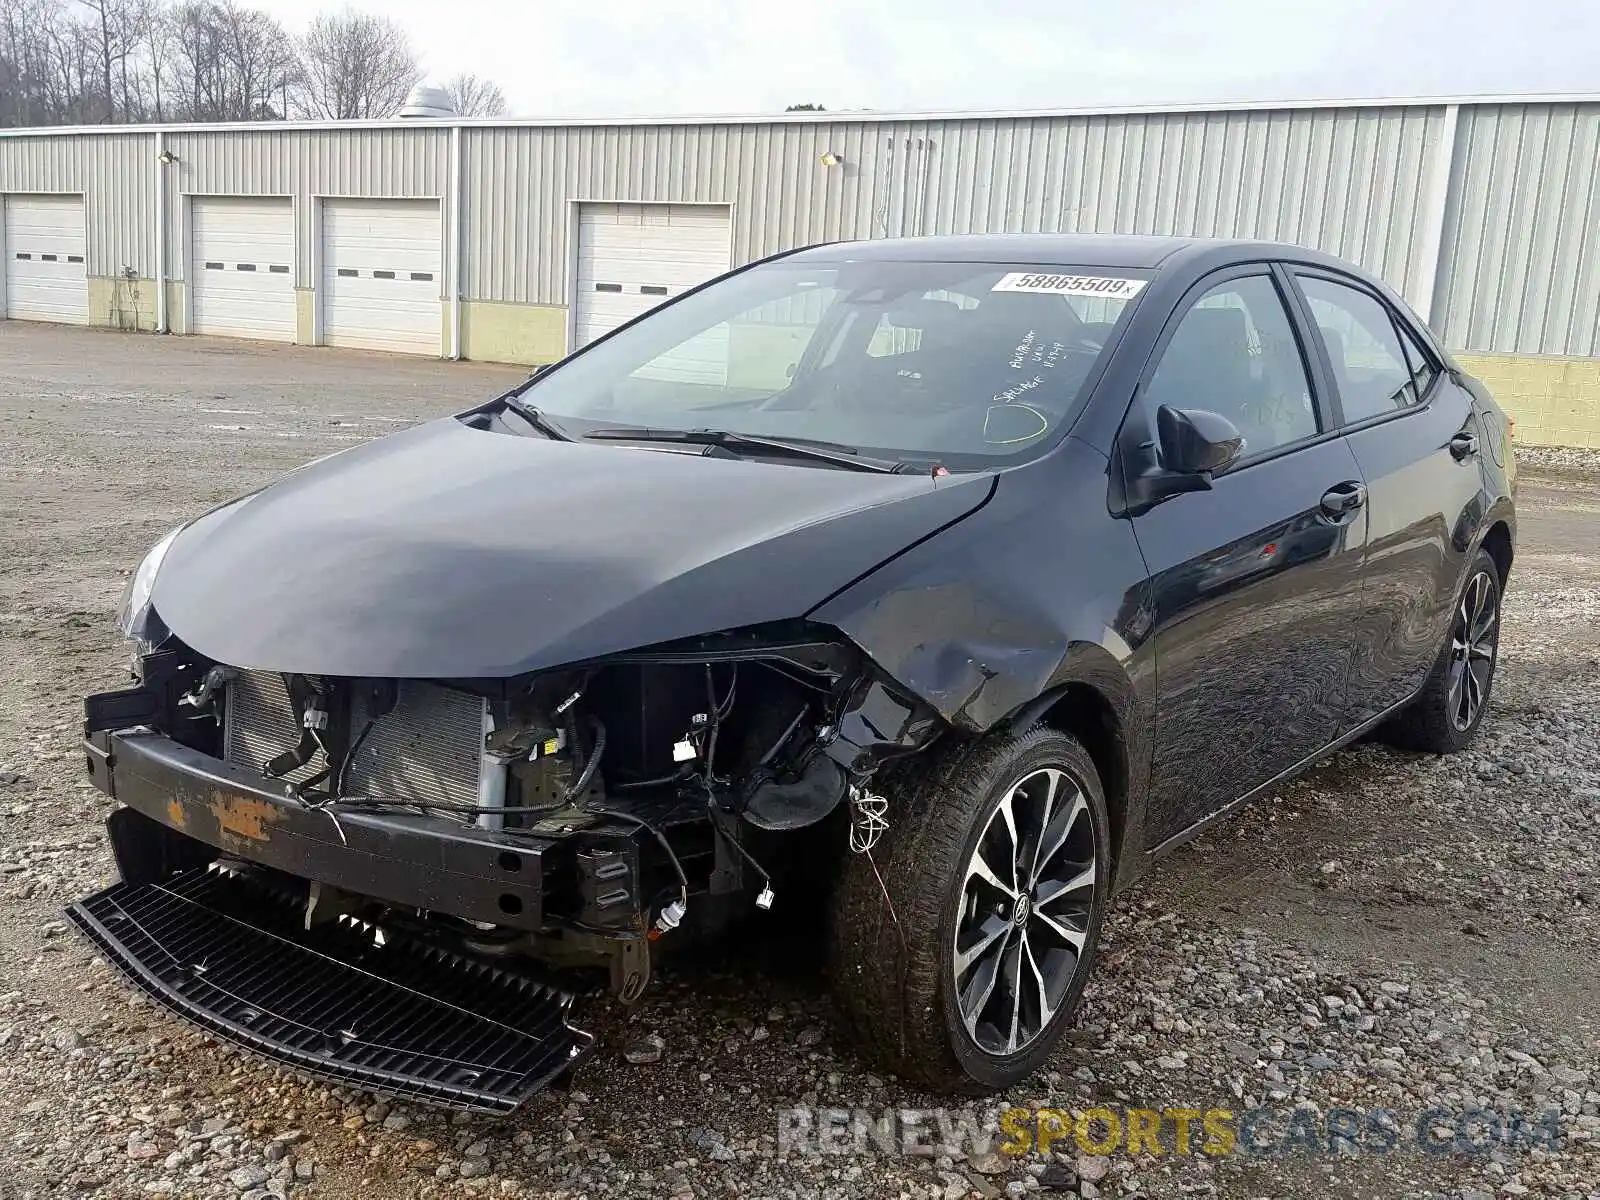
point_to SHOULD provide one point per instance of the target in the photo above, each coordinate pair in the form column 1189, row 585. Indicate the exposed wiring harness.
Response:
column 715, row 714
column 591, row 765
column 670, row 917
column 767, row 895
column 784, row 737
column 349, row 757
column 633, row 785
column 585, row 777
column 869, row 819
column 718, row 709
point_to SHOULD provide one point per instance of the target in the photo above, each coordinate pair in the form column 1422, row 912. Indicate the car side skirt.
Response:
column 1184, row 836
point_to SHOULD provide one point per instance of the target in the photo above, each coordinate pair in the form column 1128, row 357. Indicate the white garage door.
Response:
column 241, row 260
column 381, row 275
column 46, row 279
column 631, row 257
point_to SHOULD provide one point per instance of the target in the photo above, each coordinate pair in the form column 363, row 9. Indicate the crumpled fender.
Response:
column 994, row 620
column 997, row 614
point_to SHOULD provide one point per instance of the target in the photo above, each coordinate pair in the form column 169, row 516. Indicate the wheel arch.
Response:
column 1097, row 706
column 1497, row 542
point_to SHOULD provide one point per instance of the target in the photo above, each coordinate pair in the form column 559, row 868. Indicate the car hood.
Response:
column 448, row 552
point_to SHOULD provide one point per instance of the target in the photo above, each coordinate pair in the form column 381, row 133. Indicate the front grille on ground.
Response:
column 398, row 1018
column 426, row 748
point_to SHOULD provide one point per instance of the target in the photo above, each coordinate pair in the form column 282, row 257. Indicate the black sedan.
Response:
column 951, row 580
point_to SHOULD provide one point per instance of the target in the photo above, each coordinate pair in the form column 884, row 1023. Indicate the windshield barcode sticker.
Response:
column 1111, row 287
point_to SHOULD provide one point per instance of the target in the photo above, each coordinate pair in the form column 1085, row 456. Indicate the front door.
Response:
column 1416, row 435
column 1255, row 584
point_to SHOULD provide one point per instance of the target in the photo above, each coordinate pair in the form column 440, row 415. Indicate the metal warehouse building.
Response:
column 514, row 240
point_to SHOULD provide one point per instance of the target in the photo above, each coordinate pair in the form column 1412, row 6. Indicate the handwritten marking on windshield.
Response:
column 1011, row 393
column 1024, row 348
column 1032, row 350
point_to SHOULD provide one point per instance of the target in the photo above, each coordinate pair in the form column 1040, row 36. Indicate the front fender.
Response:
column 992, row 620
column 1038, row 587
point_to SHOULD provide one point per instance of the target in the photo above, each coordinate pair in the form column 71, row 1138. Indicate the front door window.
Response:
column 1235, row 353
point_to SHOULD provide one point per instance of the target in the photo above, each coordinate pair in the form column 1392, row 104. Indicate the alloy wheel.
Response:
column 1026, row 901
column 1474, row 636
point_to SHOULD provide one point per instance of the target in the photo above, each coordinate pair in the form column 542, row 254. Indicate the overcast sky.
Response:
column 616, row 57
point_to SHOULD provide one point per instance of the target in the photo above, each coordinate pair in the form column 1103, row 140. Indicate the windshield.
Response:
column 963, row 364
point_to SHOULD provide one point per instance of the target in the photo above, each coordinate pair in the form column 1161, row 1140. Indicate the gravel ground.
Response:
column 1557, row 459
column 1389, row 931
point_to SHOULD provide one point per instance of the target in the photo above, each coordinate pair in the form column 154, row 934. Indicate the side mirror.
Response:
column 1195, row 441
column 1194, row 444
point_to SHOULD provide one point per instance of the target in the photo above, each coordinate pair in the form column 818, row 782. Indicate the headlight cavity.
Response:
column 138, row 622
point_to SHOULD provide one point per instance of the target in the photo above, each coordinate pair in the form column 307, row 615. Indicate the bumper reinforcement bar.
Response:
column 337, row 1001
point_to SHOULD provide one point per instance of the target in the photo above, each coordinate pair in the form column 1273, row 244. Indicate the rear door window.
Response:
column 1370, row 367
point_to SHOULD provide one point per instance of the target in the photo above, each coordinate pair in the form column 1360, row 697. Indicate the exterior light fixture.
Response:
column 830, row 159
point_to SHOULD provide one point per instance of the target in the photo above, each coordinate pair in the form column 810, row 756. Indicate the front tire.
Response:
column 1447, row 713
column 961, row 945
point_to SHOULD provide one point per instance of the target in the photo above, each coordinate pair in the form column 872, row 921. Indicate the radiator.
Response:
column 426, row 748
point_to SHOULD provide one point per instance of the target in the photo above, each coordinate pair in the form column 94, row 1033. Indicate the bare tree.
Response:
column 52, row 71
column 354, row 65
column 72, row 75
column 260, row 62
column 161, row 45
column 105, row 48
column 117, row 31
column 23, row 62
column 198, row 77
column 225, row 62
column 473, row 96
column 134, row 20
column 92, row 61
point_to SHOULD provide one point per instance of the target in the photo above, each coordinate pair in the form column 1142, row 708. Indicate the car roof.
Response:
column 1135, row 251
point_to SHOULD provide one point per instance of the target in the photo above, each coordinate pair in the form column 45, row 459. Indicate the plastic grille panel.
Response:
column 396, row 1018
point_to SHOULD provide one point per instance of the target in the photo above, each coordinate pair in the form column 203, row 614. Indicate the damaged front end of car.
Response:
column 404, row 884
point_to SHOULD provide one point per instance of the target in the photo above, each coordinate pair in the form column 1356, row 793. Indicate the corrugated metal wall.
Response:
column 116, row 175
column 1522, row 271
column 405, row 162
column 1344, row 180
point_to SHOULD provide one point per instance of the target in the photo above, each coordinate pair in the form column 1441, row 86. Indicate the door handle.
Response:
column 1342, row 499
column 1464, row 445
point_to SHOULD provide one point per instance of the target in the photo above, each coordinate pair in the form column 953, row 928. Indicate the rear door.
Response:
column 1255, row 585
column 1416, row 436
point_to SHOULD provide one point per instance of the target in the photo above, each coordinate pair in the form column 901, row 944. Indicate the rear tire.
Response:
column 1448, row 712
column 909, row 976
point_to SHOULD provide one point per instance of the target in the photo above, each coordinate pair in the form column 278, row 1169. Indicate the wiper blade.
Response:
column 818, row 451
column 534, row 417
